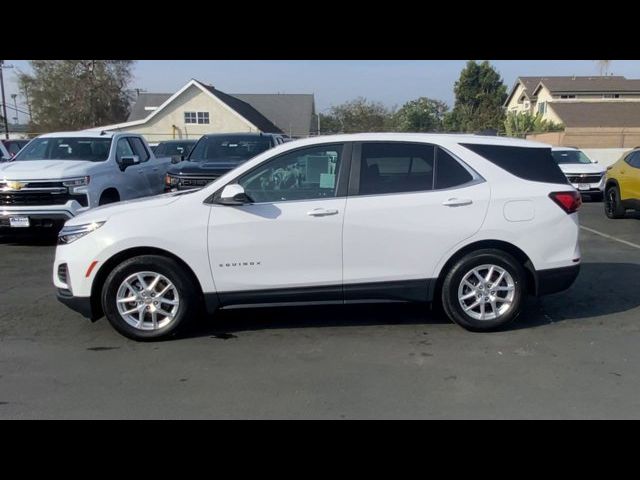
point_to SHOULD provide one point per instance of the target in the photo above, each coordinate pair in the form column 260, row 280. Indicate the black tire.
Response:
column 459, row 270
column 612, row 204
column 108, row 197
column 188, row 291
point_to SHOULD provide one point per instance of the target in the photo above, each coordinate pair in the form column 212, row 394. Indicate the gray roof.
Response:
column 591, row 84
column 290, row 113
column 572, row 84
column 598, row 114
column 138, row 111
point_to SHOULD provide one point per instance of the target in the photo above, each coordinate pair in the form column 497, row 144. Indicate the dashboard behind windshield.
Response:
column 229, row 148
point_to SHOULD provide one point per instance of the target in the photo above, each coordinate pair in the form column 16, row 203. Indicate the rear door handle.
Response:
column 322, row 212
column 457, row 202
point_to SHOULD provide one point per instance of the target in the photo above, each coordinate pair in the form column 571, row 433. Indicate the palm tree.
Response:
column 603, row 66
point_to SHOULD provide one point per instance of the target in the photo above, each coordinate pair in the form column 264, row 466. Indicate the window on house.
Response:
column 567, row 96
column 611, row 95
column 542, row 108
column 196, row 117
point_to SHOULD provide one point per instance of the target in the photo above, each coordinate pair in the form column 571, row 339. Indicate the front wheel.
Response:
column 612, row 204
column 484, row 290
column 149, row 297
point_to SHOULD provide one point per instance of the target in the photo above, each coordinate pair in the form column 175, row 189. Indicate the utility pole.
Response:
column 4, row 103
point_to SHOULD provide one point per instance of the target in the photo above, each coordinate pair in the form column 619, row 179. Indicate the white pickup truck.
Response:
column 59, row 175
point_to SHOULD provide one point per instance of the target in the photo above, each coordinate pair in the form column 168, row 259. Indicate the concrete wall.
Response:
column 605, row 156
column 591, row 137
column 169, row 123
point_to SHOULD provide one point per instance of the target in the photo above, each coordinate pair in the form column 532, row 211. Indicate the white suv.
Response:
column 59, row 175
column 473, row 222
column 582, row 172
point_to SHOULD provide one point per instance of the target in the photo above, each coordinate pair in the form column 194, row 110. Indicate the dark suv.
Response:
column 216, row 154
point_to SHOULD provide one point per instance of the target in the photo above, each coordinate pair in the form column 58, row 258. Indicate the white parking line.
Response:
column 610, row 237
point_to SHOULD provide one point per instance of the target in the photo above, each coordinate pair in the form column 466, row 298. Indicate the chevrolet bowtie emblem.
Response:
column 15, row 185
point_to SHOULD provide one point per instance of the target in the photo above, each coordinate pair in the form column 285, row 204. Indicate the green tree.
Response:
column 479, row 96
column 77, row 94
column 360, row 115
column 421, row 115
column 329, row 124
column 519, row 124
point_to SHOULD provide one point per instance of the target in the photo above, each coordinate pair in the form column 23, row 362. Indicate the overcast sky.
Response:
column 391, row 82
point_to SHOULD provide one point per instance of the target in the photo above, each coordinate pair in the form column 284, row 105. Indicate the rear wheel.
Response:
column 484, row 290
column 149, row 297
column 612, row 204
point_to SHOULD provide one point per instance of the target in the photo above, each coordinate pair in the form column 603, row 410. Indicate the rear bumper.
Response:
column 82, row 305
column 556, row 279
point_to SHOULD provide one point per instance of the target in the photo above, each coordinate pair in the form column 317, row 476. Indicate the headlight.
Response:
column 76, row 182
column 72, row 233
column 170, row 181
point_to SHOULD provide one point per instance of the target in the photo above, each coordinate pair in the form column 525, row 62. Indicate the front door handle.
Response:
column 457, row 202
column 322, row 212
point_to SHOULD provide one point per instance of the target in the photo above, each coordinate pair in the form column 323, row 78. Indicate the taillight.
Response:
column 568, row 201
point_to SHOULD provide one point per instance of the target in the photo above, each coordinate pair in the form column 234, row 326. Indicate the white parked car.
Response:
column 60, row 175
column 582, row 172
column 459, row 219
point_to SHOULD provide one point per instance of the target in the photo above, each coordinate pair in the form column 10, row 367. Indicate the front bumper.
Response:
column 82, row 305
column 36, row 218
column 588, row 187
column 556, row 280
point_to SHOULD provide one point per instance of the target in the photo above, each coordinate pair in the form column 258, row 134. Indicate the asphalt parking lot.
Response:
column 570, row 355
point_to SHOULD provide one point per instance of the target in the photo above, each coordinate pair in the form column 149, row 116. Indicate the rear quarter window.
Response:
column 528, row 163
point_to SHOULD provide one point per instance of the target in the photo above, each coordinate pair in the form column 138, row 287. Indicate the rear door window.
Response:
column 529, row 163
column 396, row 167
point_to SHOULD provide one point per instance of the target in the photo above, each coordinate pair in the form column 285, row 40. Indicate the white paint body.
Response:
column 144, row 179
column 371, row 238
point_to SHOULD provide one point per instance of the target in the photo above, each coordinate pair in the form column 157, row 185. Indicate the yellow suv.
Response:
column 622, row 187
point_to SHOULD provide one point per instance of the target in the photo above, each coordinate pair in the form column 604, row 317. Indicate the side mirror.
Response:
column 4, row 158
column 234, row 194
column 126, row 162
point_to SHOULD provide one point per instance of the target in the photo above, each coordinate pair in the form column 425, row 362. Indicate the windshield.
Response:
column 66, row 148
column 171, row 149
column 570, row 156
column 14, row 146
column 236, row 148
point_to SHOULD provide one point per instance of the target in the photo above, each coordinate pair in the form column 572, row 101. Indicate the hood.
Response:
column 45, row 169
column 103, row 213
column 217, row 167
column 582, row 168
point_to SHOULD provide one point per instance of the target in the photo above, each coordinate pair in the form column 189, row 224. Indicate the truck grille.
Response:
column 196, row 182
column 30, row 199
column 36, row 193
column 574, row 178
